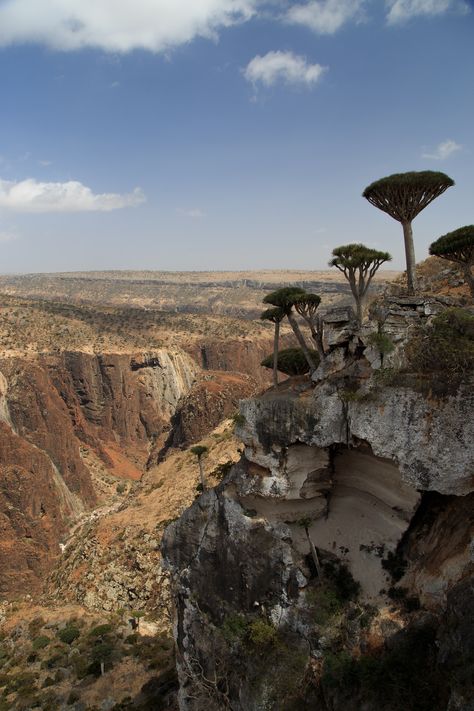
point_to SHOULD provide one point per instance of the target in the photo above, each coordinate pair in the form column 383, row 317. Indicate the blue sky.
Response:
column 226, row 134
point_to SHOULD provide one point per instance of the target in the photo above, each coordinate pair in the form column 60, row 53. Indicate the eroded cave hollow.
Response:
column 358, row 505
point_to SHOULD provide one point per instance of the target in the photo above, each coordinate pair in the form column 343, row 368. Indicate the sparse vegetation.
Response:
column 359, row 265
column 65, row 669
column 458, row 247
column 291, row 361
column 446, row 347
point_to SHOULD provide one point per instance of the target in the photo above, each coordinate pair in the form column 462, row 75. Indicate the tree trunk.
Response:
column 201, row 474
column 469, row 278
column 410, row 257
column 275, row 353
column 316, row 328
column 359, row 311
column 314, row 554
column 302, row 342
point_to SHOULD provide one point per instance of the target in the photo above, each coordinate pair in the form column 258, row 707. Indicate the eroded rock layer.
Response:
column 335, row 483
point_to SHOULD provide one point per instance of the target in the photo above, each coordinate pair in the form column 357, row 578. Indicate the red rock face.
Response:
column 118, row 406
column 237, row 356
column 35, row 508
column 50, row 407
column 213, row 398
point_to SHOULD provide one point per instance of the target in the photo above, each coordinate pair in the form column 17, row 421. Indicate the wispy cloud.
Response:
column 283, row 67
column 45, row 163
column 31, row 195
column 443, row 150
column 154, row 25
column 403, row 10
column 325, row 17
column 193, row 213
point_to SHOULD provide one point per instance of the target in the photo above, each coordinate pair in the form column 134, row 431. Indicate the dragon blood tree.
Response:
column 276, row 316
column 306, row 305
column 458, row 246
column 403, row 196
column 284, row 299
column 358, row 263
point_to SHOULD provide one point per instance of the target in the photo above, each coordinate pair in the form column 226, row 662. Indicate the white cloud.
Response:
column 45, row 163
column 282, row 66
column 33, row 196
column 325, row 16
column 402, row 10
column 443, row 150
column 118, row 25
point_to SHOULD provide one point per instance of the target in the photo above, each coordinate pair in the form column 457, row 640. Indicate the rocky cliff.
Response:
column 74, row 425
column 64, row 418
column 331, row 569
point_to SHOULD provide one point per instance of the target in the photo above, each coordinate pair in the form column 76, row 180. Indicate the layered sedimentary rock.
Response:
column 377, row 482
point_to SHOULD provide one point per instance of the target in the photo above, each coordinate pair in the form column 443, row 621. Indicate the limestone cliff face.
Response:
column 55, row 409
column 379, row 486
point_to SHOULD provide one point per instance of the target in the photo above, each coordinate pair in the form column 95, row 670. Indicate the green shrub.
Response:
column 346, row 587
column 446, row 348
column 291, row 361
column 40, row 642
column 235, row 628
column 262, row 633
column 381, row 342
column 100, row 630
column 324, row 603
column 69, row 634
column 238, row 419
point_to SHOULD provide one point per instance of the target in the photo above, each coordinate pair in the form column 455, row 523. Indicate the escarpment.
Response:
column 65, row 419
column 338, row 551
column 74, row 425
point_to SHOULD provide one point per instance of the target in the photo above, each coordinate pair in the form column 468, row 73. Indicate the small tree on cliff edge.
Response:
column 284, row 299
column 358, row 263
column 276, row 316
column 306, row 306
column 403, row 196
column 199, row 450
column 458, row 246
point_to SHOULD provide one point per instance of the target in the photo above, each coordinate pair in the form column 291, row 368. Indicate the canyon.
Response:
column 333, row 535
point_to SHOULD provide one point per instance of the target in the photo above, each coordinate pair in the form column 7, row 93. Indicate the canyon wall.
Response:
column 59, row 413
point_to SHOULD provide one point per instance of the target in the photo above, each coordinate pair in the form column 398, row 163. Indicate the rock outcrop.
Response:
column 351, row 494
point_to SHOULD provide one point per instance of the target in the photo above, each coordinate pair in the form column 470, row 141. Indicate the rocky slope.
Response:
column 334, row 562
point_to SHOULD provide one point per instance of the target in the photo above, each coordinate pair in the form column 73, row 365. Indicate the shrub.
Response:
column 69, row 634
column 234, row 628
column 291, row 361
column 100, row 630
column 324, row 602
column 381, row 342
column 394, row 564
column 446, row 347
column 262, row 634
column 40, row 642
